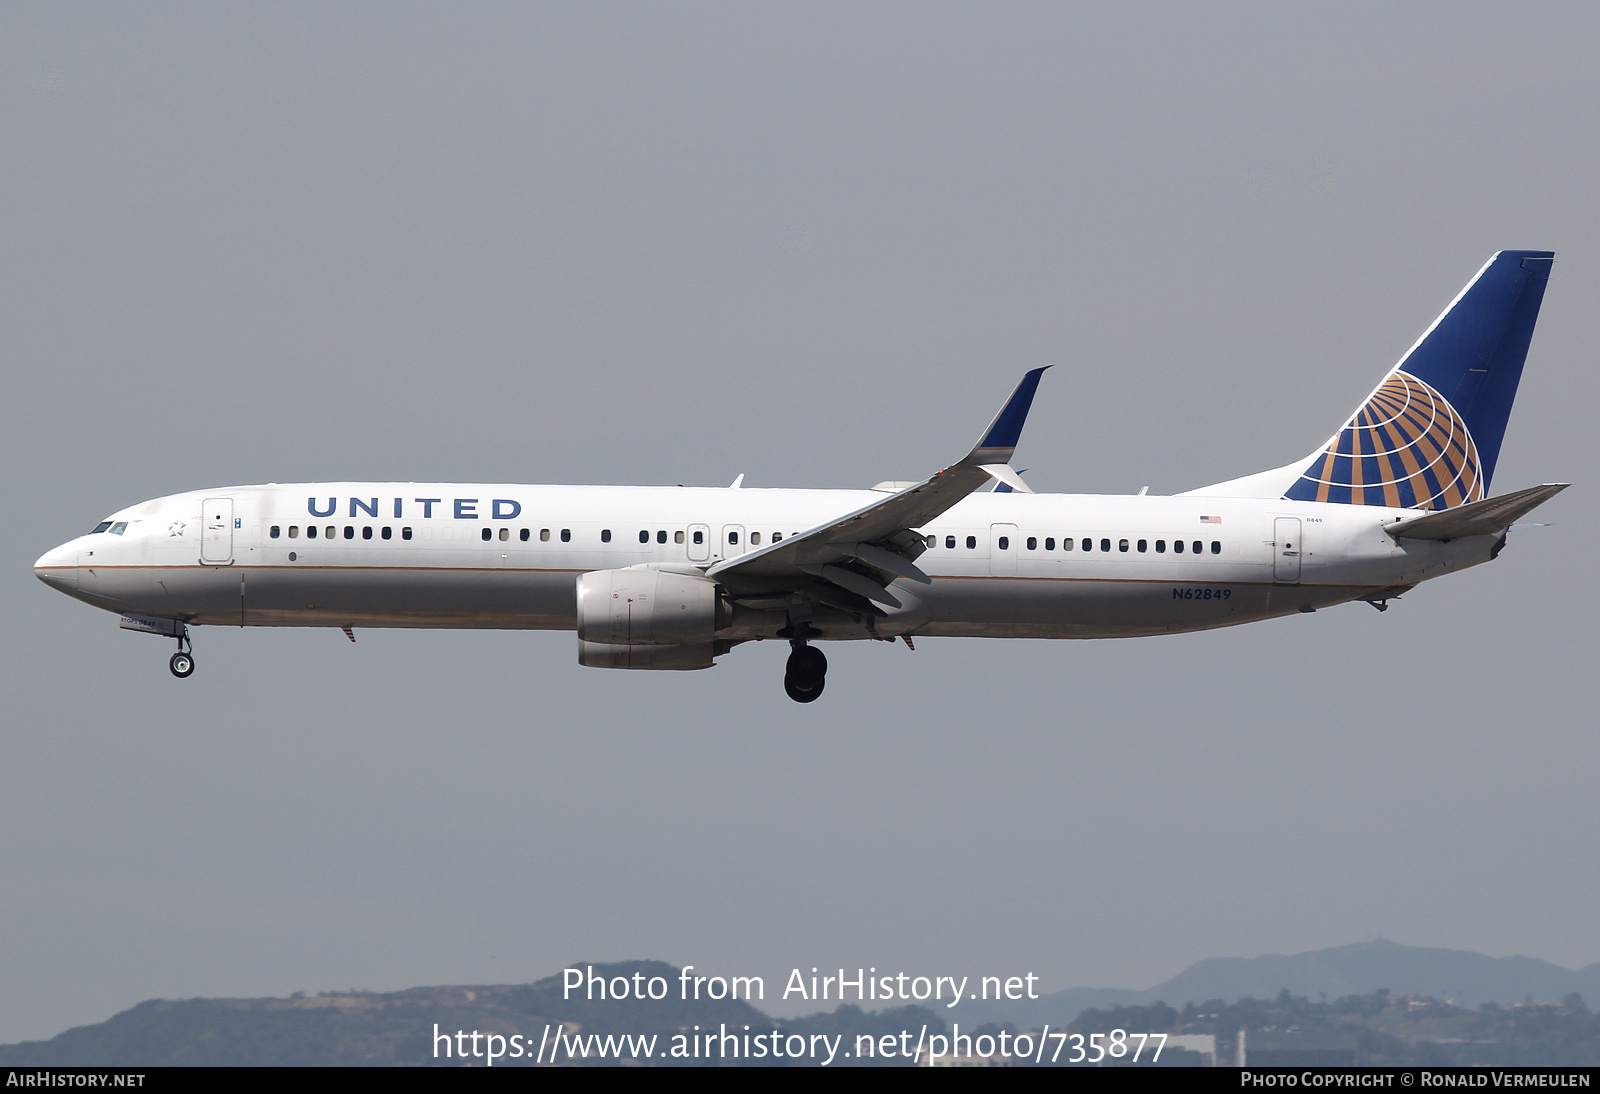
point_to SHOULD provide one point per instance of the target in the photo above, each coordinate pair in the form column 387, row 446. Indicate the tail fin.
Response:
column 1429, row 436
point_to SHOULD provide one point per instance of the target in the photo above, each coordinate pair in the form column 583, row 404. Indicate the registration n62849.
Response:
column 1200, row 592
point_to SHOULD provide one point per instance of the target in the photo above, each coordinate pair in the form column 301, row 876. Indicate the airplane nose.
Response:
column 58, row 567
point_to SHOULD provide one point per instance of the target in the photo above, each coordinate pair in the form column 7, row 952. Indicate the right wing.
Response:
column 860, row 553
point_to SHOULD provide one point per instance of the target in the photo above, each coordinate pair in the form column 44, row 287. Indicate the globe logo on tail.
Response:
column 1405, row 448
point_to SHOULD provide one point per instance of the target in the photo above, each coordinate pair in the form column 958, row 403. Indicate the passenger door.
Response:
column 1287, row 550
column 216, row 532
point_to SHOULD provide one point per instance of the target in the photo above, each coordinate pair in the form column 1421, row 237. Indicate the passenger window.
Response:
column 777, row 537
column 311, row 531
column 566, row 535
column 605, row 535
column 733, row 537
column 505, row 534
column 1088, row 544
column 1144, row 544
column 1105, row 545
column 330, row 531
column 1033, row 543
column 972, row 543
column 294, row 531
column 1216, row 547
column 661, row 537
column 366, row 531
column 349, row 532
column 1122, row 545
column 103, row 526
column 950, row 542
column 644, row 537
column 405, row 533
column 1196, row 546
column 544, row 535
column 273, row 532
column 523, row 535
column 1177, row 546
column 1005, row 543
column 677, row 537
column 1161, row 546
column 699, row 537
column 488, row 534
column 755, row 539
column 1050, row 543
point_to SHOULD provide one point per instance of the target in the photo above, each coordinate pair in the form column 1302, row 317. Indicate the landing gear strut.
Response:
column 806, row 673
column 182, row 662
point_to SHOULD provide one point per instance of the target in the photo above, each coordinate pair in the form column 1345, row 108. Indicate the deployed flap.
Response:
column 1478, row 518
column 883, row 524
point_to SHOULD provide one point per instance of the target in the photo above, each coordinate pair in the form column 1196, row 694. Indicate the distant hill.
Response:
column 396, row 1028
column 1461, row 976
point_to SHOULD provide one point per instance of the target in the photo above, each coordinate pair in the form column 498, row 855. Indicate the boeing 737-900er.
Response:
column 674, row 577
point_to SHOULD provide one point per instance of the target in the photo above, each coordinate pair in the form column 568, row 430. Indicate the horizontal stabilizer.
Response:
column 1478, row 518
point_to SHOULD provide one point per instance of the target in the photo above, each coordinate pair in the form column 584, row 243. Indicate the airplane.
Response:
column 671, row 578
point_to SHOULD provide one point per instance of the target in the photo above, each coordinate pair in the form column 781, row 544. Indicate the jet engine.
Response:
column 648, row 619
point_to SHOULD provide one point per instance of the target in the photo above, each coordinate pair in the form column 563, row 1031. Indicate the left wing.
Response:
column 862, row 552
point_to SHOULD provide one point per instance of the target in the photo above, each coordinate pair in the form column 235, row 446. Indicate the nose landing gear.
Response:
column 182, row 662
column 806, row 673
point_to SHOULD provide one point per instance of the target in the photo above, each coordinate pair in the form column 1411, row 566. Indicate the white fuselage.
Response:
column 415, row 555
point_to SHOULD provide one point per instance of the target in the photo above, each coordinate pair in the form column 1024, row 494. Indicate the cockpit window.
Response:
column 120, row 527
column 101, row 527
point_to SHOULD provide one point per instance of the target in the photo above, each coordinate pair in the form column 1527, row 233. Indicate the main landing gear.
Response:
column 182, row 662
column 806, row 672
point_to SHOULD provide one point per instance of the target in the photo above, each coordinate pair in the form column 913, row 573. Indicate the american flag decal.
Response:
column 1210, row 520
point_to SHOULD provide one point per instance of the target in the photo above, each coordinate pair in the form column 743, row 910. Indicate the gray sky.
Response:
column 817, row 245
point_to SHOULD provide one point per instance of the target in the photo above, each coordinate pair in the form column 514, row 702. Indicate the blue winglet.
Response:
column 1000, row 439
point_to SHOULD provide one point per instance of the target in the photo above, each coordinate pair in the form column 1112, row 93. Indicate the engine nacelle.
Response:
column 647, row 619
column 607, row 655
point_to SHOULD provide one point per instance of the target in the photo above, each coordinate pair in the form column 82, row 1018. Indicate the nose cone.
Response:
column 58, row 567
